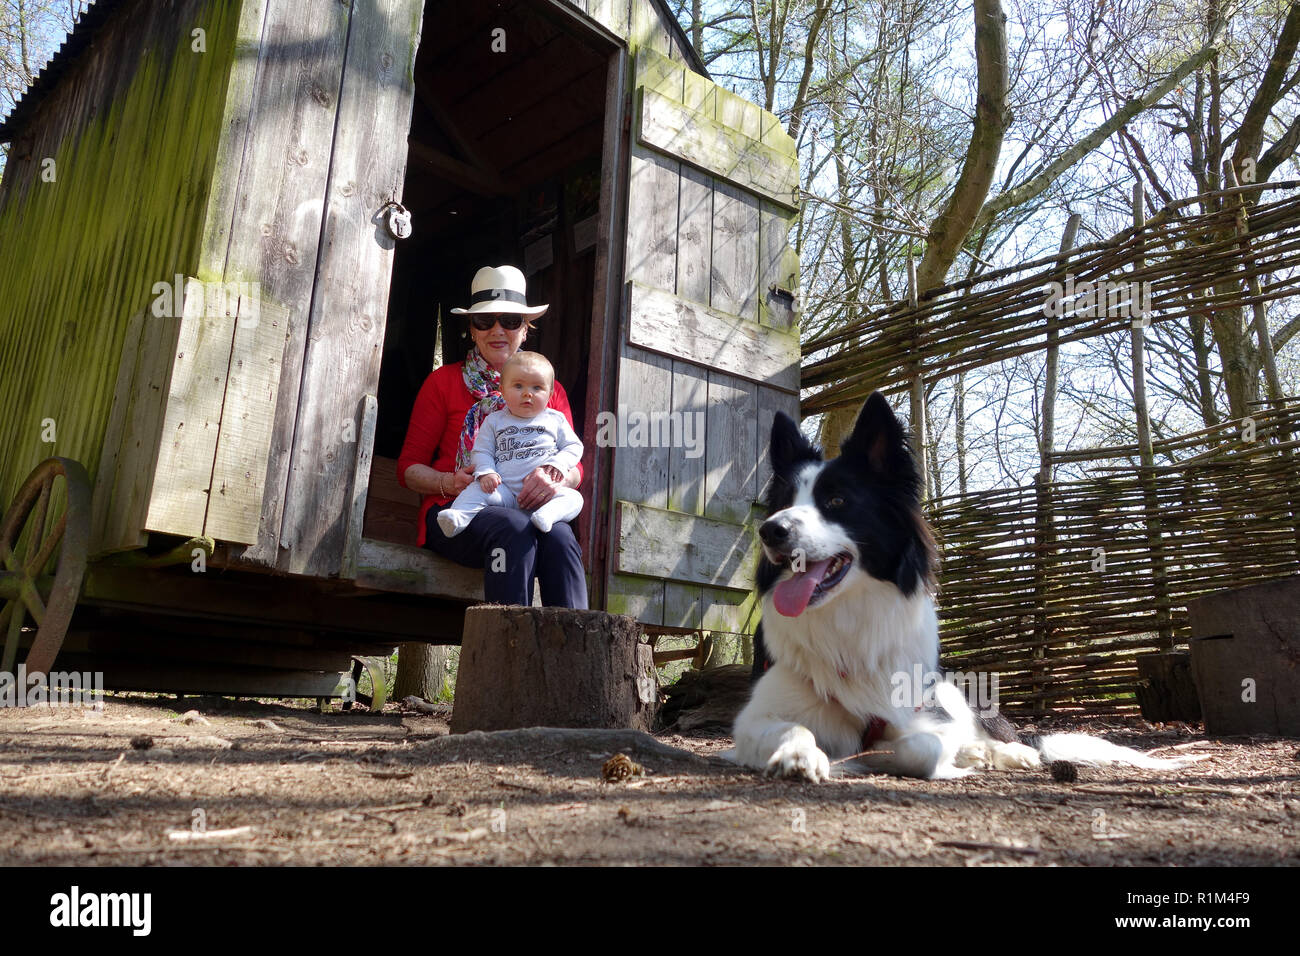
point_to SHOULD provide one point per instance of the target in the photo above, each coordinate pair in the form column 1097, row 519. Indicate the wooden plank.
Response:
column 732, row 611
column 641, row 598
column 660, row 74
column 132, row 481
column 668, row 126
column 192, row 418
column 683, row 604
column 265, row 600
column 350, row 301
column 686, row 548
column 648, row 31
column 651, row 251
column 644, row 387
column 276, row 230
column 611, row 14
column 114, row 434
column 410, row 570
column 224, row 192
column 368, row 414
column 686, row 458
column 673, row 326
column 770, row 401
column 247, row 423
column 127, row 674
column 778, row 266
column 734, row 286
column 740, row 114
column 695, row 235
column 699, row 94
column 731, row 457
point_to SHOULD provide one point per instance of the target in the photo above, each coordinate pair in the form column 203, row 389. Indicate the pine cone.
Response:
column 619, row 768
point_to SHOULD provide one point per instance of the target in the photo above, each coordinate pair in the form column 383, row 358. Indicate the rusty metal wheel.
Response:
column 33, row 584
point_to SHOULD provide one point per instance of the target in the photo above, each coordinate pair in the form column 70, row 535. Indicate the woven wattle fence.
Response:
column 1188, row 261
column 1058, row 588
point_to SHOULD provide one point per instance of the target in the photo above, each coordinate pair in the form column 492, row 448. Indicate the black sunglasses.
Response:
column 485, row 320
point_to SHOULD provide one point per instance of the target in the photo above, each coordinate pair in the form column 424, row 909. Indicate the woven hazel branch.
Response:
column 1020, row 594
column 1001, row 315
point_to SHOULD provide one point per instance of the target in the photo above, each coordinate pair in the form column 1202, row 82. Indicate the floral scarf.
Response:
column 484, row 383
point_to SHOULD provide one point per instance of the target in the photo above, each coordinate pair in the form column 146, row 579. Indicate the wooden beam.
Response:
column 669, row 126
column 689, row 548
column 265, row 600
column 407, row 569
column 459, row 173
column 468, row 148
column 664, row 323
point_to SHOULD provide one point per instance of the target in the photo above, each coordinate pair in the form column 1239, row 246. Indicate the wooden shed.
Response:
column 201, row 302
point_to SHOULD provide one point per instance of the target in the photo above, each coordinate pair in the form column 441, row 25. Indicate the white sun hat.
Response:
column 500, row 289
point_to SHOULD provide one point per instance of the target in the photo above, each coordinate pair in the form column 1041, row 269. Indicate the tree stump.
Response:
column 553, row 667
column 1165, row 689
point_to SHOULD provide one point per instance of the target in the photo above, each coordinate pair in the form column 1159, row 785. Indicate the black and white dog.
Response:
column 847, row 590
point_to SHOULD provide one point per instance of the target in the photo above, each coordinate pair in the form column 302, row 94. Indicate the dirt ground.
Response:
column 141, row 784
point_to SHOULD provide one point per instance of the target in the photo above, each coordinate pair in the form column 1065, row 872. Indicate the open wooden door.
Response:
column 333, row 437
column 709, row 347
column 269, row 418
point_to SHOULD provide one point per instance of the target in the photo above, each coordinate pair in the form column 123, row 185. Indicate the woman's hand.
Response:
column 457, row 481
column 539, row 487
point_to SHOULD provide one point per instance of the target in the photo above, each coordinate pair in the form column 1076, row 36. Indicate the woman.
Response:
column 451, row 405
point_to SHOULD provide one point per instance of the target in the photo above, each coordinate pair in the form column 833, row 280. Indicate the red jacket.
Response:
column 436, row 422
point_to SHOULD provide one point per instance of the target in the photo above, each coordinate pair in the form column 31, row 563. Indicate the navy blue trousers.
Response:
column 512, row 552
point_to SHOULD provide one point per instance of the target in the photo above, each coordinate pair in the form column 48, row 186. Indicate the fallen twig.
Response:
column 186, row 836
column 865, row 753
column 969, row 845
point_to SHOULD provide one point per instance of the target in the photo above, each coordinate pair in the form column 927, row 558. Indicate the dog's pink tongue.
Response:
column 791, row 597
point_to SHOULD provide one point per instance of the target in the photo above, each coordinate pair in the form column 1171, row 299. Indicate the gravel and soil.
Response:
column 157, row 781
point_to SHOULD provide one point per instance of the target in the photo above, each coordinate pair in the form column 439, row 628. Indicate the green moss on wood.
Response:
column 133, row 162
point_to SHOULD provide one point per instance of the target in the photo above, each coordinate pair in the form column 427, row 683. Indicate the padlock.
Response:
column 397, row 220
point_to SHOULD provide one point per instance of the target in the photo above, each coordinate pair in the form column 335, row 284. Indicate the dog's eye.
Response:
column 836, row 502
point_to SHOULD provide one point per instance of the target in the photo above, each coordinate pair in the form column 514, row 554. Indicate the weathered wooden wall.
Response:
column 132, row 129
column 711, row 198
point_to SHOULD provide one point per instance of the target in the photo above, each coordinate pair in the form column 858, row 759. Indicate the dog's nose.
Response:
column 774, row 533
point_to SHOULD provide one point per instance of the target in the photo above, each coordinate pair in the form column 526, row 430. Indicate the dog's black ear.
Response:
column 913, row 568
column 788, row 446
column 879, row 439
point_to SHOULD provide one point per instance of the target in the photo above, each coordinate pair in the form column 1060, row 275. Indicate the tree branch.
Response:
column 955, row 222
column 1038, row 184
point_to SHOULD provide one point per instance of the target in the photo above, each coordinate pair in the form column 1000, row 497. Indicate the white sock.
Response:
column 453, row 522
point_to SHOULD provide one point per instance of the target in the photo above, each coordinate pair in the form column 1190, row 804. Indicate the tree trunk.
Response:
column 553, row 667
column 836, row 425
column 954, row 223
column 421, row 671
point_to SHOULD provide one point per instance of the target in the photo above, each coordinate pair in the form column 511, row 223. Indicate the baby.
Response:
column 514, row 441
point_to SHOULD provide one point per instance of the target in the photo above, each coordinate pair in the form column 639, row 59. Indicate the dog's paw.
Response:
column 974, row 756
column 800, row 757
column 1014, row 756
